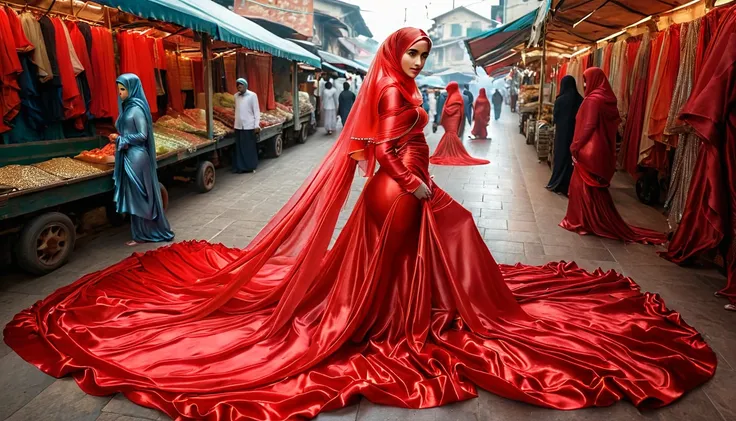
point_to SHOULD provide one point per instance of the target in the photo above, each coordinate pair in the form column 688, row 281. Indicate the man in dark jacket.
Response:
column 441, row 98
column 469, row 104
column 345, row 103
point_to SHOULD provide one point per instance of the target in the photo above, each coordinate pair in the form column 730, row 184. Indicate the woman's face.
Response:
column 414, row 58
column 122, row 92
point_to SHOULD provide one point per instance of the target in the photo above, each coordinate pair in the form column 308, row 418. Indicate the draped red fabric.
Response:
column 590, row 209
column 260, row 79
column 10, row 68
column 663, row 97
column 173, row 80
column 709, row 219
column 408, row 308
column 607, row 59
column 104, row 103
column 450, row 151
column 22, row 45
column 80, row 47
column 136, row 57
column 639, row 82
column 71, row 97
column 481, row 115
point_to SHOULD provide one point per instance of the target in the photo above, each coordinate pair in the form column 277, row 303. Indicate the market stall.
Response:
column 54, row 157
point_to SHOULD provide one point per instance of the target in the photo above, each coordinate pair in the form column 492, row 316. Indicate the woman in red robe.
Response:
column 407, row 308
column 450, row 150
column 481, row 115
column 590, row 209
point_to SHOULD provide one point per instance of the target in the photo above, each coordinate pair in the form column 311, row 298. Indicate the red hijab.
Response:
column 454, row 110
column 594, row 144
column 482, row 112
column 385, row 72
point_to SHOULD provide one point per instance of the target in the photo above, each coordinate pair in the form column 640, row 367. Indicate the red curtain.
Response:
column 260, row 79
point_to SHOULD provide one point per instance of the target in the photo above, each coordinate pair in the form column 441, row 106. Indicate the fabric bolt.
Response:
column 32, row 31
column 566, row 109
column 664, row 96
column 10, row 68
column 657, row 59
column 136, row 181
column 408, row 308
column 482, row 115
column 709, row 219
column 591, row 209
column 450, row 151
column 629, row 155
column 136, row 57
column 685, row 77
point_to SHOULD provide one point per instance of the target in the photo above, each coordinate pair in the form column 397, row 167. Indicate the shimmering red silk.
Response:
column 709, row 219
column 104, row 101
column 80, row 47
column 450, row 151
column 10, row 68
column 408, row 308
column 669, row 68
column 590, row 209
column 481, row 115
column 173, row 81
column 637, row 107
column 72, row 99
column 137, row 57
column 22, row 45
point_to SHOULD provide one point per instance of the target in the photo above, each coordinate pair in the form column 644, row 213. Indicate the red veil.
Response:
column 450, row 150
column 481, row 115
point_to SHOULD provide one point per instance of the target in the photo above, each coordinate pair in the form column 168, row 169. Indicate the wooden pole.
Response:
column 295, row 96
column 207, row 62
column 542, row 73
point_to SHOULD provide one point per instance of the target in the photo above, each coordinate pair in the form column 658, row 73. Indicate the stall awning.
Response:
column 221, row 23
column 342, row 62
column 506, row 61
column 484, row 48
column 328, row 66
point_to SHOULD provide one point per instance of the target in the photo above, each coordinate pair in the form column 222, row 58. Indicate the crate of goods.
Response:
column 543, row 140
column 531, row 126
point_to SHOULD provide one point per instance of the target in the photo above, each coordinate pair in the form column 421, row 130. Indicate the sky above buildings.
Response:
column 386, row 16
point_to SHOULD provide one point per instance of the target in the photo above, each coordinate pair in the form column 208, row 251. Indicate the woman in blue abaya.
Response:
column 136, row 182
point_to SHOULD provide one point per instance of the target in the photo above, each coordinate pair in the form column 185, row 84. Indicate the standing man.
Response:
column 469, row 104
column 441, row 98
column 247, row 127
column 345, row 103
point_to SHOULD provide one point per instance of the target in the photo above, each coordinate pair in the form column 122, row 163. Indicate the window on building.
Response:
column 473, row 32
column 440, row 57
column 457, row 53
column 456, row 30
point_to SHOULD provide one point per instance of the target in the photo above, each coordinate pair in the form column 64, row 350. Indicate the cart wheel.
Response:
column 45, row 243
column 164, row 196
column 205, row 176
column 647, row 189
column 302, row 136
column 113, row 217
column 275, row 146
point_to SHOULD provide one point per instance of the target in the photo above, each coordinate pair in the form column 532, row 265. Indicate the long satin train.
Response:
column 591, row 210
column 444, row 323
column 451, row 152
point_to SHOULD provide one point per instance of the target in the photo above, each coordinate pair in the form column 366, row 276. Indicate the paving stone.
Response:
column 120, row 405
column 20, row 382
column 62, row 401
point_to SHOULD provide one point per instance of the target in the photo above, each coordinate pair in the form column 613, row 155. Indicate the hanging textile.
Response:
column 86, row 80
column 607, row 52
column 629, row 155
column 240, row 65
column 40, row 57
column 576, row 70
column 260, row 79
column 656, row 68
column 198, row 75
column 104, row 102
column 186, row 75
column 72, row 99
column 136, row 57
column 51, row 92
column 22, row 44
column 173, row 80
column 219, row 83
column 663, row 96
column 86, row 31
column 10, row 68
column 709, row 220
column 231, row 73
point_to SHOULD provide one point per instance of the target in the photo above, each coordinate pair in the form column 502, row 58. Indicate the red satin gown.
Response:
column 590, row 209
column 450, row 150
column 408, row 308
column 481, row 115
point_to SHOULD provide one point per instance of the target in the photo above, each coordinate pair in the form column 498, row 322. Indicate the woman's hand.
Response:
column 113, row 137
column 422, row 192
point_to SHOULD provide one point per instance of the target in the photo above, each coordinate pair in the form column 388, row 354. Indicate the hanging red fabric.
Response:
column 104, row 103
column 260, row 79
column 80, row 47
column 607, row 59
column 71, row 98
column 173, row 81
column 639, row 82
column 136, row 57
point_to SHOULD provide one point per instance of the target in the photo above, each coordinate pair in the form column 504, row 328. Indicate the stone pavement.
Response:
column 518, row 219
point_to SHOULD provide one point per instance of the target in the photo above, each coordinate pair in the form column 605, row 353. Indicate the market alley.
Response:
column 518, row 218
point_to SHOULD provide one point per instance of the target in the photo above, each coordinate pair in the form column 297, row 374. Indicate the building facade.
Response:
column 517, row 8
column 448, row 34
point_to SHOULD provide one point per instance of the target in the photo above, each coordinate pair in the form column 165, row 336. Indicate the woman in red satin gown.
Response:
column 407, row 308
column 590, row 209
column 481, row 115
column 450, row 150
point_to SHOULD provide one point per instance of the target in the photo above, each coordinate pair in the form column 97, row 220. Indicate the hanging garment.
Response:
column 565, row 111
column 408, row 308
column 230, row 73
column 590, row 209
column 22, row 44
column 260, row 79
column 10, row 68
column 450, row 151
column 481, row 115
column 657, row 58
column 173, row 79
column 51, row 92
column 607, row 53
column 136, row 57
column 86, row 31
column 669, row 68
column 86, row 80
column 186, row 75
column 72, row 99
column 629, row 156
column 198, row 75
column 32, row 31
column 709, row 220
column 104, row 102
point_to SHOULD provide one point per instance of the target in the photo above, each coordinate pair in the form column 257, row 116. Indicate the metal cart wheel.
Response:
column 206, row 176
column 275, row 146
column 303, row 134
column 45, row 243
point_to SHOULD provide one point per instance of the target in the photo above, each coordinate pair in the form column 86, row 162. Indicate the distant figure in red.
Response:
column 482, row 116
column 591, row 209
column 451, row 151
